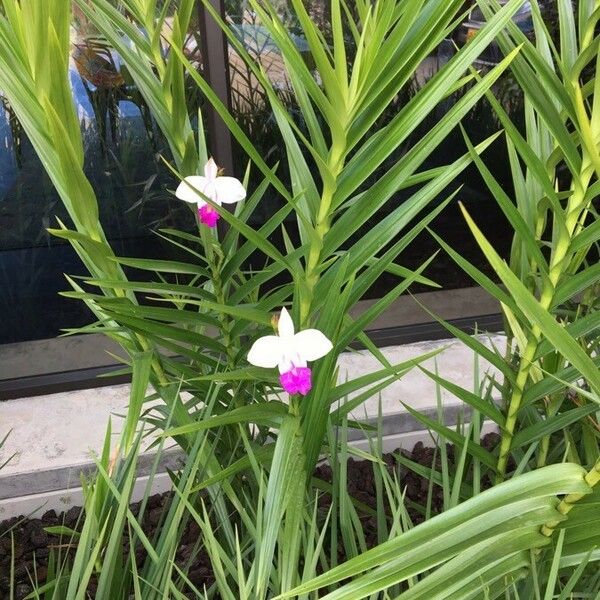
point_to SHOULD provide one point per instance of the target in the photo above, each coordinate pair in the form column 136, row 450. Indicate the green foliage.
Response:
column 278, row 545
column 186, row 325
column 552, row 272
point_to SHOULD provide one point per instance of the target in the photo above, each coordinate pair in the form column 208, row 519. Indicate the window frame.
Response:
column 405, row 323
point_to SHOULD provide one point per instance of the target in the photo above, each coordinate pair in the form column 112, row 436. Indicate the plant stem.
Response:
column 543, row 455
column 154, row 363
column 515, row 405
column 294, row 408
column 556, row 269
column 322, row 226
column 218, row 289
column 592, row 478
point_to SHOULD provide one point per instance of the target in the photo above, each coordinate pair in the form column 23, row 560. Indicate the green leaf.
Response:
column 573, row 284
column 263, row 454
column 266, row 413
column 455, row 438
column 551, row 424
column 486, row 407
column 286, row 472
column 556, row 334
column 522, row 229
column 163, row 266
column 522, row 502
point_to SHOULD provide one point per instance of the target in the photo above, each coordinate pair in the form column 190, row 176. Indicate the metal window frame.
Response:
column 215, row 56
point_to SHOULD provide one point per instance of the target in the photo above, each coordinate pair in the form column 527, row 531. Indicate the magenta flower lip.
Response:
column 296, row 381
column 208, row 215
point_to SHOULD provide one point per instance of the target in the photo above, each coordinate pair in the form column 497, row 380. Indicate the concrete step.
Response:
column 55, row 437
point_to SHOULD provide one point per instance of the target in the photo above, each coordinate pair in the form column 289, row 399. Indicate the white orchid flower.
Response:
column 221, row 190
column 290, row 352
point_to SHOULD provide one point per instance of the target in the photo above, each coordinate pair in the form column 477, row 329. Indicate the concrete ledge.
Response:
column 45, row 480
column 54, row 437
column 34, row 505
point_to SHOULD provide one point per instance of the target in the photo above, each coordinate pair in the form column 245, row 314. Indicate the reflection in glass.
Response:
column 253, row 113
column 123, row 149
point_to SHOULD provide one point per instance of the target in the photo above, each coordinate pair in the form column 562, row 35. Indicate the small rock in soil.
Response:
column 49, row 518
column 22, row 590
column 38, row 537
column 72, row 516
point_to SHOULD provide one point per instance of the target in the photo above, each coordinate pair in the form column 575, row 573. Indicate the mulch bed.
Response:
column 32, row 544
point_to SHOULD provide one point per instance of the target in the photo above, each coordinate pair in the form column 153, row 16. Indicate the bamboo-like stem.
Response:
column 558, row 265
column 566, row 505
column 322, row 226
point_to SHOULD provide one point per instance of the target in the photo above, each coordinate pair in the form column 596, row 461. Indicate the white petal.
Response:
column 265, row 352
column 210, row 191
column 287, row 363
column 311, row 344
column 229, row 190
column 211, row 170
column 186, row 190
column 286, row 325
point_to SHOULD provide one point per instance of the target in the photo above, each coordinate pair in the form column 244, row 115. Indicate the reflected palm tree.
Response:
column 107, row 84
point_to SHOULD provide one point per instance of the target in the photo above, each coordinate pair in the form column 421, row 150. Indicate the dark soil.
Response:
column 33, row 544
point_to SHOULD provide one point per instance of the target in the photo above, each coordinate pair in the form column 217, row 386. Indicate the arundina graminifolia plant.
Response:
column 334, row 260
column 200, row 330
column 550, row 294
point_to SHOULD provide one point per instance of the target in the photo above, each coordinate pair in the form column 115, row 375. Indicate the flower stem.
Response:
column 294, row 408
column 225, row 322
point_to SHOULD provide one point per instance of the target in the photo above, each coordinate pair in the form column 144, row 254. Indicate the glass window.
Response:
column 123, row 149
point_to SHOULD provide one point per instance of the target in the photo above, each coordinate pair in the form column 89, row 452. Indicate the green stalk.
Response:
column 558, row 266
column 215, row 271
column 592, row 478
column 543, row 455
column 154, row 363
column 322, row 226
